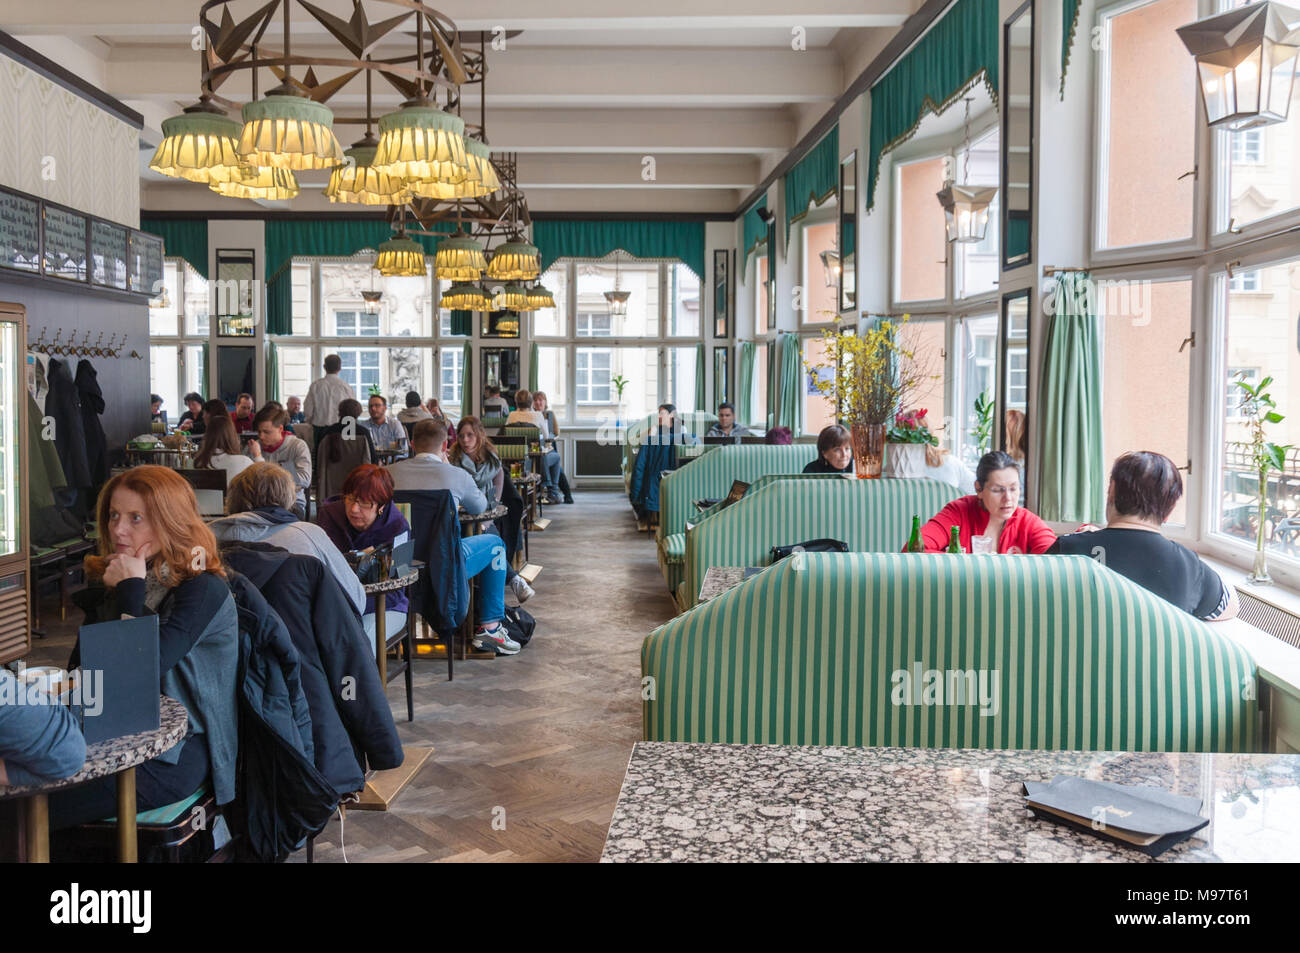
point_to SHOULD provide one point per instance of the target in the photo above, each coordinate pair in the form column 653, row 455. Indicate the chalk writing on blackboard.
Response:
column 20, row 232
column 65, row 244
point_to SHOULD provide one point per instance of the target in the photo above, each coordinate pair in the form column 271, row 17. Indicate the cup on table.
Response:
column 981, row 544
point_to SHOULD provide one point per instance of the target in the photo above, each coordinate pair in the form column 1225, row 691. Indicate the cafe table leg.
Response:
column 126, row 834
column 381, row 636
column 37, row 811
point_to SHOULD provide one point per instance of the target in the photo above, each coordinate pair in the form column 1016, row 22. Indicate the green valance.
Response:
column 815, row 178
column 182, row 238
column 1069, row 23
column 579, row 238
column 290, row 238
column 960, row 50
column 754, row 230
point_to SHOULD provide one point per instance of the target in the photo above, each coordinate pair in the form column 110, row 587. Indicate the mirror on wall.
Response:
column 1013, row 388
column 722, row 376
column 500, row 368
column 1018, row 137
column 848, row 236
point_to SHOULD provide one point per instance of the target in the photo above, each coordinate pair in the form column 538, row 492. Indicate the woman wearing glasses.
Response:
column 993, row 511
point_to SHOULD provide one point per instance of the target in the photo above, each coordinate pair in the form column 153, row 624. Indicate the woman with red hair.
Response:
column 156, row 557
column 365, row 516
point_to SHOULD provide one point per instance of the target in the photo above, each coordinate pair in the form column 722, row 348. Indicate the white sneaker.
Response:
column 523, row 592
column 496, row 640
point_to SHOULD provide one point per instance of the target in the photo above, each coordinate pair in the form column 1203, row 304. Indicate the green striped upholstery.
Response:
column 709, row 477
column 492, row 425
column 694, row 423
column 806, row 653
column 672, row 558
column 511, row 451
column 872, row 516
column 522, row 430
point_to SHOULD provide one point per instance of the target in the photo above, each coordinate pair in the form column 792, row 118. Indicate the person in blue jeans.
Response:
column 365, row 516
column 40, row 740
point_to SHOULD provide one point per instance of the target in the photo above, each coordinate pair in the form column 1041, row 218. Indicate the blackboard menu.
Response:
column 65, row 244
column 20, row 232
column 146, row 262
column 108, row 254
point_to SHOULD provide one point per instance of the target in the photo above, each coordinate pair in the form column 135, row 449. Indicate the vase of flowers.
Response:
column 905, row 445
column 1257, row 407
column 875, row 370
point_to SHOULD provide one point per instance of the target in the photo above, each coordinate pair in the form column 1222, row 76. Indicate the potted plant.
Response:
column 1257, row 407
column 619, row 382
column 876, row 370
column 906, row 444
column 983, row 432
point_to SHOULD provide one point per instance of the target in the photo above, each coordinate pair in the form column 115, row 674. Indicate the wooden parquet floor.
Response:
column 530, row 750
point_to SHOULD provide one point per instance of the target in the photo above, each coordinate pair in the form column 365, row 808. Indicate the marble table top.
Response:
column 118, row 754
column 391, row 585
column 527, row 478
column 486, row 516
column 720, row 579
column 713, row 802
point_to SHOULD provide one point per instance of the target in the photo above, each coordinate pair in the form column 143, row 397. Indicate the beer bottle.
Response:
column 954, row 542
column 914, row 545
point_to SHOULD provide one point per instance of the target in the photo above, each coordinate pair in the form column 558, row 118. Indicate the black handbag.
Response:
column 810, row 546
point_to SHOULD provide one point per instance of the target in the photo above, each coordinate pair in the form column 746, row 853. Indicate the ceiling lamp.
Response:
column 481, row 170
column 512, row 297
column 540, row 297
column 423, row 146
column 507, row 325
column 966, row 207
column 372, row 299
column 617, row 298
column 251, row 182
column 198, row 145
column 1246, row 59
column 359, row 182
column 514, row 260
column 459, row 258
column 286, row 130
column 400, row 257
column 466, row 297
column 831, row 267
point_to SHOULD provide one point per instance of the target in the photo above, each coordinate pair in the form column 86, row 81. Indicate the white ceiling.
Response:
column 712, row 89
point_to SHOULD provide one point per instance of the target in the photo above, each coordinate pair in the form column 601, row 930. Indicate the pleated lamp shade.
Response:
column 512, row 297
column 459, row 258
column 466, row 297
column 357, row 181
column 198, row 145
column 289, row 132
column 251, row 182
column 515, row 260
column 400, row 257
column 423, row 146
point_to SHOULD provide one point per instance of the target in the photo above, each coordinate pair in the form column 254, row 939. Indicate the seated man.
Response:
column 294, row 407
column 726, row 425
column 243, row 414
column 414, row 410
column 292, row 453
column 428, row 469
column 385, row 432
column 495, row 405
column 39, row 737
column 1144, row 489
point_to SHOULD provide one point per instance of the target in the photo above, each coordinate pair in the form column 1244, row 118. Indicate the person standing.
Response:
column 385, row 432
column 325, row 394
column 275, row 446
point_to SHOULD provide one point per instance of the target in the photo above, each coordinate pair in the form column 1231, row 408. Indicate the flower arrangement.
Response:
column 910, row 427
column 876, row 370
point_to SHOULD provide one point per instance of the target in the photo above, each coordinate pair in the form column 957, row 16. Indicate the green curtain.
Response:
column 745, row 383
column 272, row 372
column 773, row 384
column 755, row 233
column 580, row 238
column 468, row 395
column 958, row 51
column 286, row 239
column 700, row 401
column 533, row 370
column 789, row 406
column 279, row 301
column 1073, row 481
column 814, row 179
column 462, row 322
column 184, row 238
column 1069, row 23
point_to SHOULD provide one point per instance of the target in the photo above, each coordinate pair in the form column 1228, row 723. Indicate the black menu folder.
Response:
column 1149, row 819
column 122, row 658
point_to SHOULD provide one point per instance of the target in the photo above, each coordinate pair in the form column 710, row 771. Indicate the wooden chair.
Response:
column 331, row 473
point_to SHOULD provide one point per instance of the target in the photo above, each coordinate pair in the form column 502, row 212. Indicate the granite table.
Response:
column 117, row 756
column 714, row 802
column 720, row 579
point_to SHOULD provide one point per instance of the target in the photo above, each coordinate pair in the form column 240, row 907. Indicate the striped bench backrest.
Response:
column 872, row 516
column 1048, row 652
column 710, row 475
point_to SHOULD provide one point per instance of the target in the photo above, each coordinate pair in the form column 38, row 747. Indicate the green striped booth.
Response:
column 493, row 425
column 872, row 516
column 694, row 423
column 1047, row 652
column 709, row 478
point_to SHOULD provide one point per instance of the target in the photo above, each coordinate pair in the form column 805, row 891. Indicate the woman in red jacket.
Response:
column 994, row 510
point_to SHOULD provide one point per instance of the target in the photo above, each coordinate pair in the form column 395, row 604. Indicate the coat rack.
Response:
column 70, row 347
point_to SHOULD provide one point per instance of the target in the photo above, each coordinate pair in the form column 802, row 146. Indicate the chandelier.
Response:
column 617, row 298
column 966, row 207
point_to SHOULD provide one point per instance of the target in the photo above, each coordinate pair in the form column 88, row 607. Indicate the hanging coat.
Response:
column 63, row 405
column 92, row 406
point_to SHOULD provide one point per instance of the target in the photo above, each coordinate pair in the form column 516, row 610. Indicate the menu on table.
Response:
column 20, row 232
column 65, row 244
column 108, row 254
column 146, row 262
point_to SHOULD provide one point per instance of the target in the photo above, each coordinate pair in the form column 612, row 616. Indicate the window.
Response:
column 164, row 380
column 452, row 378
column 641, row 279
column 164, row 312
column 1247, row 281
column 356, row 324
column 1147, row 125
column 1260, row 181
column 550, row 322
column 297, row 371
column 300, row 277
column 820, row 303
column 976, row 386
column 591, row 325
column 592, row 378
column 1247, row 147
column 758, row 396
column 760, row 296
column 683, row 302
column 361, row 369
column 926, row 338
column 977, row 264
column 681, row 378
column 552, row 379
column 178, row 329
column 920, row 239
column 818, row 410
column 1234, row 399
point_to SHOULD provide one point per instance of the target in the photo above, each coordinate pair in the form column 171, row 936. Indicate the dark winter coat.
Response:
column 92, row 406
column 441, row 595
column 64, row 405
column 388, row 525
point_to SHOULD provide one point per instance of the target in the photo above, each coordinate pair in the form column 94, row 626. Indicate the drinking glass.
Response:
column 981, row 544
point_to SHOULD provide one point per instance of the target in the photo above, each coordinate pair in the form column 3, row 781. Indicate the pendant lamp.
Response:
column 251, row 182
column 285, row 130
column 198, row 145
column 466, row 297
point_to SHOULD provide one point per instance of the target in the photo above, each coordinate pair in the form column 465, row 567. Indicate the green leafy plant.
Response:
column 619, row 382
column 375, row 391
column 1257, row 406
column 983, row 421
column 910, row 427
column 876, row 370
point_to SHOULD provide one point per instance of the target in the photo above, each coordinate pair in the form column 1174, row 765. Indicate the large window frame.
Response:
column 187, row 337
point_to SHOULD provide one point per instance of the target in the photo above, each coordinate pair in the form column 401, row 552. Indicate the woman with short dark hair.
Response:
column 993, row 511
column 834, row 451
column 1144, row 489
